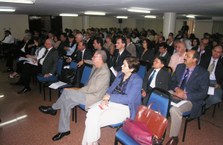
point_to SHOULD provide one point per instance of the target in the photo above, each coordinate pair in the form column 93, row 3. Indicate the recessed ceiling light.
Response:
column 122, row 17
column 191, row 16
column 19, row 1
column 7, row 9
column 68, row 15
column 138, row 10
column 150, row 16
column 94, row 13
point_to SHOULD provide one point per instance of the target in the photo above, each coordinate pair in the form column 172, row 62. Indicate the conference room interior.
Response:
column 21, row 121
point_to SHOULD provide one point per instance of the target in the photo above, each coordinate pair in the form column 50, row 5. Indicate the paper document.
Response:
column 57, row 85
column 211, row 91
column 113, row 71
column 178, row 104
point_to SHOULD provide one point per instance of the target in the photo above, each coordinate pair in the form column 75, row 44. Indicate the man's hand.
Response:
column 68, row 60
column 106, row 97
column 47, row 75
column 217, row 86
column 80, row 63
column 143, row 93
column 180, row 93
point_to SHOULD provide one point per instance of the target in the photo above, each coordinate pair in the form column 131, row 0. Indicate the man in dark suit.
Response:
column 47, row 65
column 82, row 54
column 214, row 64
column 119, row 55
column 190, row 83
column 163, row 52
column 157, row 76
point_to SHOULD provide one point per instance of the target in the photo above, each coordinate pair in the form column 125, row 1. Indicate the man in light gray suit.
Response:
column 88, row 95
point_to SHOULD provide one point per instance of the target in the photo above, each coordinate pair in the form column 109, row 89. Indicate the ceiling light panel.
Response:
column 7, row 9
column 68, row 15
column 94, row 13
column 19, row 1
column 121, row 17
column 150, row 16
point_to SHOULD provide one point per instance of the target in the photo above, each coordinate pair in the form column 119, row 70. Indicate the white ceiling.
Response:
column 202, row 8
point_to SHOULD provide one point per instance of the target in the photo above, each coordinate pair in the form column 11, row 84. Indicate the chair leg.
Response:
column 185, row 129
column 214, row 110
column 73, row 113
column 116, row 141
column 75, row 109
column 199, row 123
column 40, row 87
column 44, row 92
column 50, row 94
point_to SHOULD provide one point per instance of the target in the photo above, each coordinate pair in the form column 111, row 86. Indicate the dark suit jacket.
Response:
column 117, row 64
column 148, row 56
column 162, row 79
column 167, row 57
column 50, row 62
column 78, row 56
column 205, row 61
column 196, row 86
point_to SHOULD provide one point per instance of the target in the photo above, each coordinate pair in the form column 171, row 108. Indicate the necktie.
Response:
column 44, row 54
column 211, row 67
column 151, row 78
column 184, row 80
column 118, row 57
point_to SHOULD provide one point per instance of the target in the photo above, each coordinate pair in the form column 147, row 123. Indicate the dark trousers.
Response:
column 28, row 71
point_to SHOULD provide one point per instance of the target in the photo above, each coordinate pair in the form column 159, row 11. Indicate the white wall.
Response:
column 202, row 26
column 15, row 23
column 72, row 23
column 155, row 24
column 218, row 27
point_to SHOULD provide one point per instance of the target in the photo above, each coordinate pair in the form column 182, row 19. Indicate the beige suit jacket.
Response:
column 97, row 85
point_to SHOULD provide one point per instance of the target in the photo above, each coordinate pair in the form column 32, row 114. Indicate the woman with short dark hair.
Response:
column 120, row 102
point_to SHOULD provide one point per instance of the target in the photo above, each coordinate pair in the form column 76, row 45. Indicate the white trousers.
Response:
column 97, row 118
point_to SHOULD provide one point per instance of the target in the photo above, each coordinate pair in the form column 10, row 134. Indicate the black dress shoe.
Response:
column 24, row 90
column 48, row 110
column 60, row 135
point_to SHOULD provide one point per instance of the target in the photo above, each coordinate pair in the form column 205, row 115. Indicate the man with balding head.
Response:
column 178, row 57
column 47, row 65
column 190, row 84
column 87, row 95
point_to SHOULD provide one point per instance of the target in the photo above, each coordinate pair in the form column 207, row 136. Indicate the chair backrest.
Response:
column 86, row 74
column 73, row 65
column 142, row 71
column 161, row 101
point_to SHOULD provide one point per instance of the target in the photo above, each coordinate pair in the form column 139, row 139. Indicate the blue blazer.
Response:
column 132, row 96
column 196, row 86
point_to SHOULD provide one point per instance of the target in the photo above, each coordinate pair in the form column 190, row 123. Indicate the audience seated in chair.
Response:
column 178, row 57
column 120, row 102
column 157, row 76
column 214, row 64
column 87, row 95
column 119, row 55
column 190, row 84
column 46, row 63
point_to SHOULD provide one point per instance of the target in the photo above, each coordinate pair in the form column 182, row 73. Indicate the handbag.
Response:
column 153, row 120
column 138, row 131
